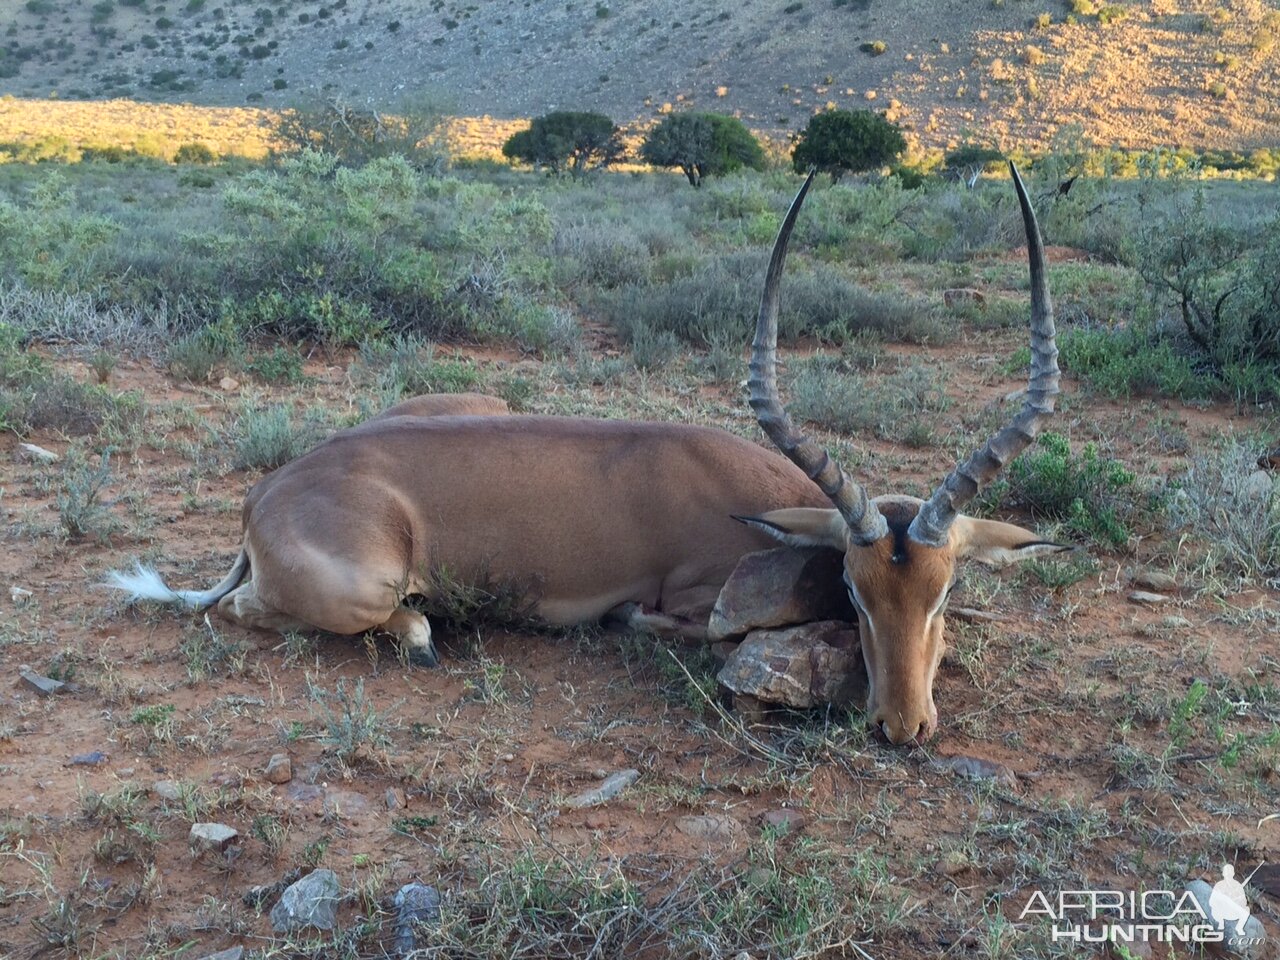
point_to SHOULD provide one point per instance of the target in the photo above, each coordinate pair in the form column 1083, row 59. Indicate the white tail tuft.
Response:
column 145, row 584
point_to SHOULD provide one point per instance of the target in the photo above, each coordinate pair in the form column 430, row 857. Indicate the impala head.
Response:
column 900, row 552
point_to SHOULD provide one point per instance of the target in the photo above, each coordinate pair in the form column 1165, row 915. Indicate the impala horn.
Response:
column 932, row 524
column 866, row 525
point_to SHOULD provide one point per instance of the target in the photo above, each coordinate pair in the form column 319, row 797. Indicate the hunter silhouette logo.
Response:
column 1228, row 902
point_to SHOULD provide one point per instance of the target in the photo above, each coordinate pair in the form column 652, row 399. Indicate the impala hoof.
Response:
column 423, row 656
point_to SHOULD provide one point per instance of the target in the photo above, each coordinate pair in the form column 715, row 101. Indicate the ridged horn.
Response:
column 866, row 525
column 932, row 524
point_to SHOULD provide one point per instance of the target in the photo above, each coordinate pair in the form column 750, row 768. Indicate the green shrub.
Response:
column 1131, row 361
column 81, row 509
column 702, row 145
column 834, row 393
column 847, row 141
column 194, row 153
column 567, row 140
column 1225, row 502
column 267, row 439
column 1092, row 495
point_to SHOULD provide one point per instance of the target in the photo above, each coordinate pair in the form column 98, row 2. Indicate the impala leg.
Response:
column 246, row 607
column 642, row 619
column 414, row 633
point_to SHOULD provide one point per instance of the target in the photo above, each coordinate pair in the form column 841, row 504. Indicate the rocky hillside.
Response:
column 1184, row 72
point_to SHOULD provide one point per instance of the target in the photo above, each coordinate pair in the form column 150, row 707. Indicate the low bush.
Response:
column 832, row 392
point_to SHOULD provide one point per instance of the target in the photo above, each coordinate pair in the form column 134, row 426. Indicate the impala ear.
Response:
column 802, row 527
column 999, row 544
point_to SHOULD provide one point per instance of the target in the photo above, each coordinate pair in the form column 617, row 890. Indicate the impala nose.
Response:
column 900, row 731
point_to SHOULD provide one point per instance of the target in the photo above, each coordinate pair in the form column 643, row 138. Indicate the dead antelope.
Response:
column 634, row 520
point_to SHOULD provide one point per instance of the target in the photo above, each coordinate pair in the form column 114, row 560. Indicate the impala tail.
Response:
column 144, row 583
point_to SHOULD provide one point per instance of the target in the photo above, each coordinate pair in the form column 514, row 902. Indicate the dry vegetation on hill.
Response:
column 1193, row 73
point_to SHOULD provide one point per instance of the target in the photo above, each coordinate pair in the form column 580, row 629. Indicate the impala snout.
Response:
column 899, row 728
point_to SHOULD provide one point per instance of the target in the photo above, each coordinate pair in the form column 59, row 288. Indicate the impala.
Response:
column 638, row 521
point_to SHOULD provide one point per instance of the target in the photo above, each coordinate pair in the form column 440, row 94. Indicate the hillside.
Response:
column 1183, row 72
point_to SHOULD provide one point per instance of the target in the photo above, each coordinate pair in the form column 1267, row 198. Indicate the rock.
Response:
column 34, row 454
column 279, row 769
column 710, row 827
column 970, row 615
column 750, row 710
column 310, row 902
column 779, row 588
column 395, row 799
column 212, row 836
column 721, row 651
column 1156, row 580
column 235, row 953
column 417, row 905
column 166, row 790
column 783, row 821
column 257, row 896
column 963, row 296
column 345, row 804
column 953, row 864
column 1147, row 599
column 613, row 786
column 45, row 686
column 800, row 667
column 19, row 595
column 1250, row 945
column 229, row 384
column 88, row 759
column 975, row 768
column 1258, row 486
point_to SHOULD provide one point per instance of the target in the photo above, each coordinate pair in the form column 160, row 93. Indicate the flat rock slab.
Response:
column 1156, row 581
column 311, row 902
column 611, row 787
column 711, row 828
column 779, row 588
column 975, row 768
column 417, row 905
column 45, row 686
column 799, row 667
column 1146, row 599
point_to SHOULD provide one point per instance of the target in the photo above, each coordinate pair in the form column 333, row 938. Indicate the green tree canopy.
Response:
column 847, row 141
column 567, row 140
column 702, row 145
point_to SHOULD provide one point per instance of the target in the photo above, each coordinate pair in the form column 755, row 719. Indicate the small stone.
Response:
column 394, row 798
column 279, row 769
column 1175, row 622
column 166, row 790
column 229, row 384
column 89, row 759
column 783, row 821
column 417, row 905
column 1147, row 599
column 31, row 452
column 345, row 804
column 508, row 758
column 235, row 953
column 212, row 836
column 799, row 667
column 45, row 686
column 953, row 864
column 975, row 768
column 1259, row 486
column 1156, row 580
column 611, row 787
column 19, row 595
column 779, row 588
column 311, row 902
column 710, row 827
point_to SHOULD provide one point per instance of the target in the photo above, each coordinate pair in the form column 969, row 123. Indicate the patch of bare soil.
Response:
column 1077, row 691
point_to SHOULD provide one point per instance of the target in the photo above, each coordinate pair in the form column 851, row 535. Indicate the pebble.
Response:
column 1147, row 599
column 89, row 759
column 783, row 821
column 395, row 798
column 975, row 768
column 311, row 902
column 611, row 787
column 166, row 789
column 279, row 769
column 229, row 384
column 212, row 836
column 20, row 595
column 416, row 905
column 1156, row 580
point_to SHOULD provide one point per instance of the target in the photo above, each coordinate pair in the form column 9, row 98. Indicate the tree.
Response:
column 847, row 141
column 970, row 161
column 413, row 129
column 702, row 145
column 566, row 139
